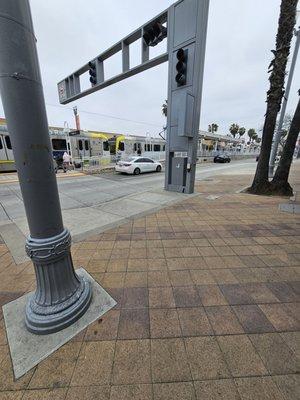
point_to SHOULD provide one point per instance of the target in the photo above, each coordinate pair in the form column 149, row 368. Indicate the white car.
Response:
column 138, row 165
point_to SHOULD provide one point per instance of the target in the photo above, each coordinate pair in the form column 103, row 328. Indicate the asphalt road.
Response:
column 203, row 171
column 94, row 190
column 92, row 204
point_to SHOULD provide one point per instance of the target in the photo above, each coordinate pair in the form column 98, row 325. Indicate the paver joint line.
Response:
column 207, row 299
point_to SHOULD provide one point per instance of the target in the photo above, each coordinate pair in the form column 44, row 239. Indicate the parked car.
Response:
column 138, row 165
column 222, row 158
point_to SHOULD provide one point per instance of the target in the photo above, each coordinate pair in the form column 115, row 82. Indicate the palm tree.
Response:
column 164, row 108
column 252, row 134
column 277, row 68
column 213, row 128
column 280, row 184
column 234, row 128
column 242, row 131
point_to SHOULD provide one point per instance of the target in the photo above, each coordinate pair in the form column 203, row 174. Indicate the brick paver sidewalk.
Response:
column 208, row 306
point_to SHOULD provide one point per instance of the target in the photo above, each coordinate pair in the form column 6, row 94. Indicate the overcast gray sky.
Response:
column 241, row 34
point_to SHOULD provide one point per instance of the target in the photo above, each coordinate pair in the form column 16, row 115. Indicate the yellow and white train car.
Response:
column 7, row 163
column 84, row 145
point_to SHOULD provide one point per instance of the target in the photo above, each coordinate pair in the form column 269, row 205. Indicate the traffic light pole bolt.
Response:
column 61, row 297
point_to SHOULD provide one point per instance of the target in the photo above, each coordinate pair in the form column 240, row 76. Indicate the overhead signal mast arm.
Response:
column 150, row 34
column 184, row 24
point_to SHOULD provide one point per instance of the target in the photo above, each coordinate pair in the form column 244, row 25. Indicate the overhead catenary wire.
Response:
column 105, row 115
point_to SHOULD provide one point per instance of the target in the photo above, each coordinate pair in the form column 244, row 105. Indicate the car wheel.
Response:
column 137, row 171
column 158, row 168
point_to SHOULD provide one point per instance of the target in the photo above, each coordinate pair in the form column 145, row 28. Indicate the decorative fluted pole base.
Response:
column 61, row 296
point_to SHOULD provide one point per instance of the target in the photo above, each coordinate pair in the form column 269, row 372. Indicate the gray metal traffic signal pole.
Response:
column 186, row 28
column 278, row 133
column 61, row 297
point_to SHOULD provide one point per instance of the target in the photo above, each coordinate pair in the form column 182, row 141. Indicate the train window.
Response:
column 134, row 147
column 69, row 146
column 157, row 147
column 86, row 145
column 148, row 147
column 145, row 147
column 164, row 147
column 121, row 146
column 80, row 145
column 105, row 146
column 59, row 144
column 1, row 145
column 8, row 143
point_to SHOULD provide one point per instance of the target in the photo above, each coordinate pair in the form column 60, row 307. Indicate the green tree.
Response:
column 252, row 134
column 277, row 70
column 234, row 129
column 242, row 131
column 258, row 140
column 213, row 128
column 280, row 184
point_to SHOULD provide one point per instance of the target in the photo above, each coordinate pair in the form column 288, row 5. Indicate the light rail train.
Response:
column 82, row 145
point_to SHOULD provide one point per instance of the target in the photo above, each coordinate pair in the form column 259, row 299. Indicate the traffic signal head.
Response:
column 181, row 67
column 155, row 34
column 149, row 37
column 93, row 73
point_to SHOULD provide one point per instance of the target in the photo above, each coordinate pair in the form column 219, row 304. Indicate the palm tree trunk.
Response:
column 287, row 19
column 280, row 184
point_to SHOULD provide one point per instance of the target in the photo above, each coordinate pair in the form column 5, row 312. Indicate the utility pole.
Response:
column 77, row 119
column 278, row 133
column 61, row 297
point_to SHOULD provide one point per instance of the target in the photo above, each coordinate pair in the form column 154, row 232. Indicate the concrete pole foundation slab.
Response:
column 28, row 349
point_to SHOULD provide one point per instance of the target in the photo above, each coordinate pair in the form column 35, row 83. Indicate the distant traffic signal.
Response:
column 155, row 34
column 181, row 67
column 93, row 73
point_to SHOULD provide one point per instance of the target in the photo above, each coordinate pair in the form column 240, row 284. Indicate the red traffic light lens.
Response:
column 181, row 55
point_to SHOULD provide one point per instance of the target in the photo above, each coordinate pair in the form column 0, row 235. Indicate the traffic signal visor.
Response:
column 155, row 34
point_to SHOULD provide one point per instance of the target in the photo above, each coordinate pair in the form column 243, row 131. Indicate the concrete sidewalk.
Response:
column 208, row 296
